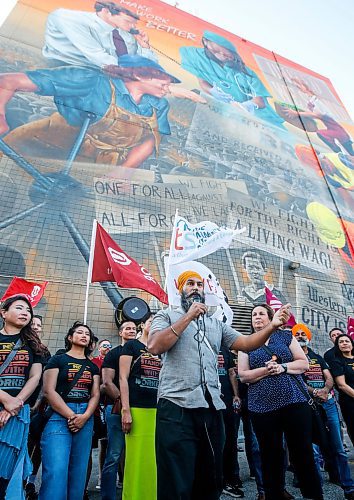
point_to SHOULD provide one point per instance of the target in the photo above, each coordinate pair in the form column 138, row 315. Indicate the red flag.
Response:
column 350, row 327
column 275, row 304
column 110, row 263
column 19, row 286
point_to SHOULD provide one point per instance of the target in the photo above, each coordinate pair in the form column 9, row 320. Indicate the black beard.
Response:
column 187, row 300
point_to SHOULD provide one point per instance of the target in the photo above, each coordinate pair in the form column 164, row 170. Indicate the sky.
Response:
column 318, row 34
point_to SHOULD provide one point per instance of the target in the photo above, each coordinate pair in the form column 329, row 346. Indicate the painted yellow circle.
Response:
column 327, row 225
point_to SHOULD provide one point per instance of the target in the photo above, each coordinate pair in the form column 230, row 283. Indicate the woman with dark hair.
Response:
column 21, row 350
column 342, row 368
column 278, row 405
column 71, row 386
column 138, row 380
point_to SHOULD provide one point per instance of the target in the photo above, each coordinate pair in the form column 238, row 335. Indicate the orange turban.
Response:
column 183, row 277
column 304, row 328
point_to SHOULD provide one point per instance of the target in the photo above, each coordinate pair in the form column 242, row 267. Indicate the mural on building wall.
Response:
column 126, row 111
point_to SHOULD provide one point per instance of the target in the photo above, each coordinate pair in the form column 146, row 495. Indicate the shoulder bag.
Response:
column 11, row 356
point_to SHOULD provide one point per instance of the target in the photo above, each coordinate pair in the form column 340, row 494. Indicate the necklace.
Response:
column 4, row 332
column 248, row 91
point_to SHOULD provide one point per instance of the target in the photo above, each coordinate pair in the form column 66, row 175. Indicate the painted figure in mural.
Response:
column 223, row 75
column 94, row 38
column 324, row 126
column 255, row 266
column 126, row 104
column 313, row 102
column 338, row 168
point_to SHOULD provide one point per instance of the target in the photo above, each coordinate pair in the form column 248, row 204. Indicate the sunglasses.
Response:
column 106, row 346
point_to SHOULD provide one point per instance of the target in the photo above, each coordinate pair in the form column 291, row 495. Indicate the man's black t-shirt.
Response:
column 314, row 375
column 344, row 366
column 225, row 362
column 16, row 374
column 68, row 368
column 242, row 387
column 330, row 355
column 34, row 396
column 111, row 360
column 144, row 375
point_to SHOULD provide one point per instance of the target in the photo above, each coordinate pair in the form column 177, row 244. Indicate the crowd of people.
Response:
column 165, row 406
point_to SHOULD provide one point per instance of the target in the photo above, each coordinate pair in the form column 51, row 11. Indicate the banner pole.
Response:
column 90, row 266
column 169, row 254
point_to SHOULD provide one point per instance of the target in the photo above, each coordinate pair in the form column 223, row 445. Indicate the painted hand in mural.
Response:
column 181, row 92
column 142, row 39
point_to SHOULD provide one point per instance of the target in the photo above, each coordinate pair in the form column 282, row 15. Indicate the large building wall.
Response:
column 261, row 142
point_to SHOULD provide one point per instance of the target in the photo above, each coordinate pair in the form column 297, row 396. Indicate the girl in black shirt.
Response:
column 342, row 368
column 67, row 437
column 17, row 383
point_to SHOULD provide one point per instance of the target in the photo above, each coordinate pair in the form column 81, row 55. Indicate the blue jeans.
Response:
column 65, row 457
column 318, row 460
column 336, row 443
column 251, row 447
column 114, row 450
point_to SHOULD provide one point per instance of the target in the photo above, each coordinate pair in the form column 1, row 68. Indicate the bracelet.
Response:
column 174, row 331
column 314, row 393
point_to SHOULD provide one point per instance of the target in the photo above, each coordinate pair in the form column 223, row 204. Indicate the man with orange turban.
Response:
column 299, row 329
column 189, row 423
column 320, row 386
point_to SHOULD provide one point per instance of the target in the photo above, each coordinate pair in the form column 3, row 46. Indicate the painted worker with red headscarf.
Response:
column 338, row 168
column 189, row 424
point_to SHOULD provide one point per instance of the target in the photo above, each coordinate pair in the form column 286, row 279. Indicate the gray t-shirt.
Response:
column 190, row 366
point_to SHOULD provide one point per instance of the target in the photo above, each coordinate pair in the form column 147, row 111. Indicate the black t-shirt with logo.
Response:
column 225, row 362
column 144, row 375
column 344, row 366
column 16, row 374
column 111, row 360
column 68, row 368
column 314, row 375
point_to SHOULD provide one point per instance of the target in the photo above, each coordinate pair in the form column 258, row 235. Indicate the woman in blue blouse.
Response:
column 279, row 407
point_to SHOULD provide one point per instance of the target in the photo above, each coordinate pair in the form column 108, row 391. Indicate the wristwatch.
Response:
column 285, row 367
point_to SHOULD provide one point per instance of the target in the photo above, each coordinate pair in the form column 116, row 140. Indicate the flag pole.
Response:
column 90, row 265
column 169, row 254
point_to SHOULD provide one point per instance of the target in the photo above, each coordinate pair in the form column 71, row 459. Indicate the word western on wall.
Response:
column 320, row 308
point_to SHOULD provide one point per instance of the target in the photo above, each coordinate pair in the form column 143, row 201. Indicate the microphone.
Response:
column 200, row 323
column 197, row 298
